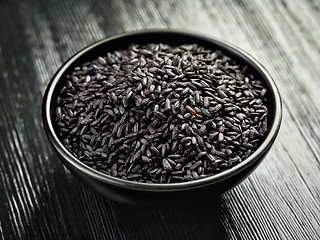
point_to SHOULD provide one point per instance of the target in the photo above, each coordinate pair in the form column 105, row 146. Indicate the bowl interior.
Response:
column 173, row 38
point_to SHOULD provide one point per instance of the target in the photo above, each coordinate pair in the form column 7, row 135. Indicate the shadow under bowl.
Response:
column 192, row 192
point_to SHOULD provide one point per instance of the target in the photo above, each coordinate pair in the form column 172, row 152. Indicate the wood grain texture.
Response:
column 41, row 200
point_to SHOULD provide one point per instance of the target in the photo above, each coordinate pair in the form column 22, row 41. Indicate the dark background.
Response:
column 39, row 199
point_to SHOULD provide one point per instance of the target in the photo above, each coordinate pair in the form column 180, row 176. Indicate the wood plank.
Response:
column 42, row 200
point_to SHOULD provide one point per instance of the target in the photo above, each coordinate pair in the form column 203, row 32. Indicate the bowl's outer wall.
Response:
column 127, row 195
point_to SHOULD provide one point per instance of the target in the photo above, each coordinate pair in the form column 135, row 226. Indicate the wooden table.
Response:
column 41, row 200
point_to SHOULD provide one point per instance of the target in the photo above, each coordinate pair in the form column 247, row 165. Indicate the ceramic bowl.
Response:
column 196, row 191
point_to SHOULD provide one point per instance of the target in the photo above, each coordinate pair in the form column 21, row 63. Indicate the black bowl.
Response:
column 162, row 194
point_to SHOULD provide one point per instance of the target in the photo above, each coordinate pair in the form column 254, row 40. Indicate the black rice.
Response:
column 160, row 113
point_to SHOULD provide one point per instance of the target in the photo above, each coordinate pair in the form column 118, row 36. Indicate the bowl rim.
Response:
column 115, row 181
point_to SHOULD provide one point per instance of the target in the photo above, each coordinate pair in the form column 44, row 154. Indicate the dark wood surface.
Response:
column 39, row 199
